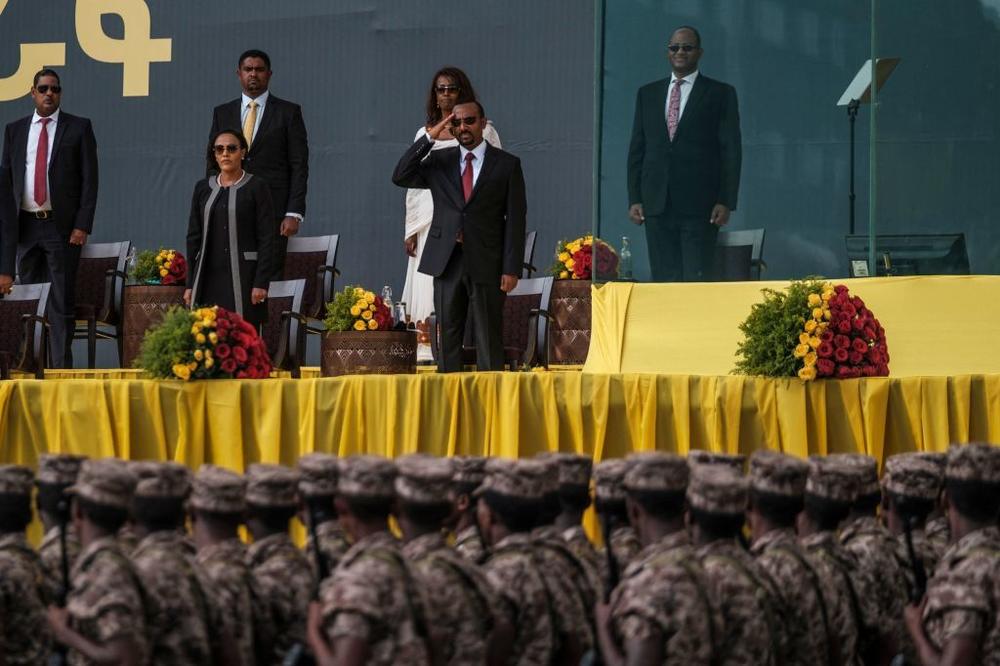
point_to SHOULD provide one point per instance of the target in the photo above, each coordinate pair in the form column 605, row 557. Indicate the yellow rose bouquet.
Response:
column 580, row 258
column 357, row 309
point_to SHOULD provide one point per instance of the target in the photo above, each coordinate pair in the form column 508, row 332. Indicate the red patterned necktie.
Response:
column 674, row 108
column 42, row 164
column 467, row 176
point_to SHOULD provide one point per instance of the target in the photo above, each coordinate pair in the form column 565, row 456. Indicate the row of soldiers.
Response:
column 796, row 562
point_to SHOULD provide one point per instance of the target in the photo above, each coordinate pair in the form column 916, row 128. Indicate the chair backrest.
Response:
column 305, row 260
column 282, row 296
column 24, row 299
column 529, row 254
column 94, row 288
column 528, row 295
column 739, row 254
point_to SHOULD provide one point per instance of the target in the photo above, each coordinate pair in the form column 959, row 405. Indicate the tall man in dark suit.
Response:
column 476, row 240
column 684, row 164
column 279, row 150
column 47, row 209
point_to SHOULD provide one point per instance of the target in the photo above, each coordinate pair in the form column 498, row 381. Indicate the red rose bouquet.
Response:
column 167, row 267
column 579, row 259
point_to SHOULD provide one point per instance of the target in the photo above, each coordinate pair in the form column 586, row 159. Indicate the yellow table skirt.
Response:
column 234, row 422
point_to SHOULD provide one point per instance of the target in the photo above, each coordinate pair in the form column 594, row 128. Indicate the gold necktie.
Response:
column 250, row 122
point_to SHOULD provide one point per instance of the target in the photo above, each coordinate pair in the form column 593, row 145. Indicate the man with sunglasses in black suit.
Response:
column 47, row 205
column 279, row 149
column 476, row 241
column 684, row 164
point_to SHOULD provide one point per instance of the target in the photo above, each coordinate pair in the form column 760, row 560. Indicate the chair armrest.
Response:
column 282, row 359
column 111, row 294
column 531, row 351
column 321, row 296
column 432, row 333
column 528, row 269
column 29, row 344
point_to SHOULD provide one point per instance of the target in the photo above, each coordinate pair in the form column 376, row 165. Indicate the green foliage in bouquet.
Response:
column 773, row 328
column 167, row 344
column 338, row 311
column 146, row 271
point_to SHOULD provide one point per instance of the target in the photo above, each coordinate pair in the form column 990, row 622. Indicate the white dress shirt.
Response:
column 477, row 163
column 34, row 131
column 245, row 109
column 685, row 92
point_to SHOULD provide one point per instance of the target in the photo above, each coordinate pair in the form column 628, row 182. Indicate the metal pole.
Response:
column 852, row 116
column 872, row 150
column 599, row 16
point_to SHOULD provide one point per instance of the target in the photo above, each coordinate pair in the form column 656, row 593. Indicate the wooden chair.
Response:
column 313, row 259
column 285, row 331
column 738, row 255
column 24, row 329
column 100, row 280
column 529, row 254
column 525, row 326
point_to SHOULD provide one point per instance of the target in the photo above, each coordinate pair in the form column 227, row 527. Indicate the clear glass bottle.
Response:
column 130, row 264
column 625, row 260
column 387, row 299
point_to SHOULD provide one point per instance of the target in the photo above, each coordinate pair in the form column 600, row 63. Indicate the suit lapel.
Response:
column 20, row 149
column 489, row 161
column 270, row 110
column 693, row 102
column 449, row 157
column 57, row 139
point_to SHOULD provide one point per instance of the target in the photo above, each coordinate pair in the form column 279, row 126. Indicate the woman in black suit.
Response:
column 231, row 234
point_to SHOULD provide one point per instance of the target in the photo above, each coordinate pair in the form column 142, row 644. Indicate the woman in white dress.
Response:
column 448, row 84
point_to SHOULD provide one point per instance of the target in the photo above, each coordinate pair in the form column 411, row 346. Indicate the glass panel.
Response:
column 938, row 137
column 789, row 61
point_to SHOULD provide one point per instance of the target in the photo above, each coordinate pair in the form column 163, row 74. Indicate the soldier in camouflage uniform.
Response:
column 830, row 491
column 185, row 622
column 660, row 613
column 216, row 507
column 937, row 529
column 462, row 601
column 469, row 474
column 717, row 500
column 317, row 488
column 105, row 617
column 282, row 572
column 505, row 511
column 873, row 547
column 56, row 473
column 735, row 461
column 24, row 630
column 804, row 601
column 609, row 503
column 374, row 604
column 574, row 499
column 959, row 621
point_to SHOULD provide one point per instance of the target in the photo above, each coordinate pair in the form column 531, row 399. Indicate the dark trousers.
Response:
column 681, row 247
column 45, row 255
column 456, row 297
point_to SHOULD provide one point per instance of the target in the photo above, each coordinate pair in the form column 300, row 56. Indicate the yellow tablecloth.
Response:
column 234, row 423
column 942, row 325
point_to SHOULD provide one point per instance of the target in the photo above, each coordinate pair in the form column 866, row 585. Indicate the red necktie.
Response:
column 674, row 109
column 467, row 176
column 42, row 164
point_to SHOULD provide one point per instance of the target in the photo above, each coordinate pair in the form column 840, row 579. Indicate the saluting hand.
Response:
column 435, row 131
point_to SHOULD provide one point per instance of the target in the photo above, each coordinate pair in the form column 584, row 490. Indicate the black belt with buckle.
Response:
column 37, row 214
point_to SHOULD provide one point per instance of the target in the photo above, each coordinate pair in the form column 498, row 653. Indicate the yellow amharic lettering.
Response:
column 33, row 58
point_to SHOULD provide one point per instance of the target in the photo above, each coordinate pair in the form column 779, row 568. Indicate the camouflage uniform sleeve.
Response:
column 633, row 615
column 107, row 602
column 504, row 583
column 957, row 605
column 354, row 601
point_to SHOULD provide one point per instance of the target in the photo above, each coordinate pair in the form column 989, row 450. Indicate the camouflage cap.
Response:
column 660, row 472
column 574, row 469
column 367, row 476
column 865, row 470
column 105, row 481
column 609, row 480
column 518, row 479
column 912, row 475
column 718, row 489
column 778, row 473
column 469, row 469
column 59, row 468
column 16, row 480
column 545, row 469
column 973, row 462
column 319, row 473
column 272, row 485
column 162, row 479
column 424, row 479
column 936, row 458
column 702, row 457
column 218, row 490
column 831, row 479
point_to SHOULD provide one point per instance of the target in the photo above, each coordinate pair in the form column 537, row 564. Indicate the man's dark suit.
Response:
column 278, row 155
column 679, row 182
column 43, row 245
column 492, row 224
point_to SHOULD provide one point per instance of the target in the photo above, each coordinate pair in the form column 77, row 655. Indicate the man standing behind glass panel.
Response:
column 278, row 149
column 684, row 164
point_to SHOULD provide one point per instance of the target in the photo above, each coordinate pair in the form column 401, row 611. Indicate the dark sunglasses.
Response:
column 45, row 88
column 231, row 148
column 447, row 89
column 687, row 48
column 468, row 121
